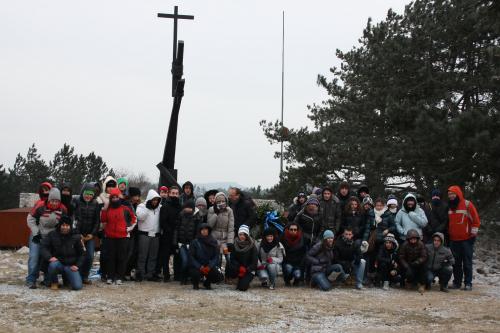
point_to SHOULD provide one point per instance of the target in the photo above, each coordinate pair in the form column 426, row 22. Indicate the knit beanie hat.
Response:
column 188, row 204
column 368, row 200
column 134, row 191
column 163, row 188
column 312, row 201
column 390, row 238
column 122, row 180
column 244, row 229
column 201, row 202
column 328, row 234
column 267, row 232
column 436, row 193
column 392, row 202
column 115, row 192
column 54, row 194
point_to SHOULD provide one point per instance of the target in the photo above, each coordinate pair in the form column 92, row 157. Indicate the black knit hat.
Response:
column 188, row 204
column 133, row 191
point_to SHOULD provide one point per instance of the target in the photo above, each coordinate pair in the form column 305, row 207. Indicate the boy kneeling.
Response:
column 440, row 262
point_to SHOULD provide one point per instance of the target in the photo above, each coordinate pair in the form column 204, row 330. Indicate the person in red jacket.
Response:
column 118, row 220
column 463, row 226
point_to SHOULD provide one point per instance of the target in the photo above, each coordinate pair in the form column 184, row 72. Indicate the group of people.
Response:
column 329, row 237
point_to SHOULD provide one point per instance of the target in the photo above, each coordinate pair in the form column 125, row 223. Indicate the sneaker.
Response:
column 31, row 285
column 444, row 289
column 119, row 282
column 54, row 286
column 109, row 281
column 468, row 287
column 359, row 286
column 386, row 285
column 271, row 287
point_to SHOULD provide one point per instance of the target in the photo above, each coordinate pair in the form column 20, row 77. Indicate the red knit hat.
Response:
column 163, row 188
column 115, row 192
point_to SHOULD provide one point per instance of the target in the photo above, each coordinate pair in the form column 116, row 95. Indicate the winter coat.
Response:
column 247, row 259
column 68, row 249
column 405, row 221
column 293, row 210
column 169, row 216
column 440, row 257
column 295, row 255
column 277, row 253
column 357, row 222
column 222, row 225
column 438, row 220
column 42, row 220
column 148, row 219
column 201, row 254
column 244, row 213
column 188, row 226
column 387, row 223
column 386, row 257
column 411, row 254
column 87, row 214
column 331, row 214
column 319, row 257
column 103, row 199
column 343, row 200
column 118, row 221
column 310, row 225
column 345, row 253
column 464, row 221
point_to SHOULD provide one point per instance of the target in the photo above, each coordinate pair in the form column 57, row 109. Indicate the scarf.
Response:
column 266, row 246
column 208, row 241
column 293, row 239
column 378, row 215
column 243, row 246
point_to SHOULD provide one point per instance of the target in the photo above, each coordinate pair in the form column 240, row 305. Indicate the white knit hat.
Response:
column 244, row 229
column 392, row 202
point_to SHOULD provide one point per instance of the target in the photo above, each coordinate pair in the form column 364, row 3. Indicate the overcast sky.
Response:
column 96, row 75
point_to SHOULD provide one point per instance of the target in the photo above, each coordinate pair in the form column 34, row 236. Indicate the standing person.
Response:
column 187, row 192
column 201, row 210
column 210, row 198
column 463, row 227
column 384, row 221
column 295, row 254
column 134, row 196
column 387, row 262
column 310, row 221
column 148, row 237
column 243, row 209
column 329, row 210
column 438, row 217
column 348, row 253
column 243, row 259
column 296, row 206
column 169, row 215
column 122, row 184
column 43, row 192
column 108, row 184
column 413, row 260
column 343, row 194
column 65, row 253
column 320, row 257
column 134, row 199
column 221, row 220
column 87, row 220
column 186, row 233
column 363, row 192
column 410, row 217
column 204, row 258
column 367, row 204
column 271, row 253
column 67, row 198
column 354, row 218
column 163, row 194
column 439, row 263
column 42, row 219
column 118, row 220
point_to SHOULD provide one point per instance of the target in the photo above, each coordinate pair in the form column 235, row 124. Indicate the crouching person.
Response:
column 387, row 262
column 439, row 263
column 295, row 254
column 320, row 257
column 413, row 259
column 65, row 253
column 271, row 256
column 348, row 253
column 204, row 258
column 148, row 223
column 243, row 259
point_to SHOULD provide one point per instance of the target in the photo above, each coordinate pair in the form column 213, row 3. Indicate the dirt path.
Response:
column 170, row 307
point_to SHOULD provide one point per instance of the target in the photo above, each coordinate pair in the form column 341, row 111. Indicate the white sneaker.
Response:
column 109, row 281
column 119, row 282
column 386, row 285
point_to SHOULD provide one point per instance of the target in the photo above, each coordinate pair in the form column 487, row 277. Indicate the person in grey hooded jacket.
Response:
column 439, row 262
column 409, row 217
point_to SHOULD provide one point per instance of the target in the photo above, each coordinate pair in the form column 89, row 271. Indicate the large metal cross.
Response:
column 175, row 71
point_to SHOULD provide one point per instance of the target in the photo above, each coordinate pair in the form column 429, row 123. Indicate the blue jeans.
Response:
column 184, row 254
column 268, row 274
column 74, row 278
column 290, row 272
column 463, row 252
column 321, row 278
column 33, row 261
column 359, row 271
column 89, row 259
column 444, row 275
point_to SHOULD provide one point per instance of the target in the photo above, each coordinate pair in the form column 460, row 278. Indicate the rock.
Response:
column 23, row 250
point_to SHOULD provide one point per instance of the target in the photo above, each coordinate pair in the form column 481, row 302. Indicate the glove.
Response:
column 261, row 267
column 364, row 246
column 269, row 260
column 37, row 238
column 242, row 272
column 204, row 270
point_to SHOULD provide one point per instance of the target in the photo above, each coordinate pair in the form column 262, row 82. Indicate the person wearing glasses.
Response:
column 295, row 254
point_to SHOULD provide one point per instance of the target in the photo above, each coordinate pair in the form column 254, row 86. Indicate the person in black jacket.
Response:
column 348, row 253
column 295, row 254
column 204, row 258
column 65, row 253
column 329, row 210
column 169, row 215
column 296, row 206
column 354, row 218
column 310, row 221
column 87, row 219
column 187, row 192
column 186, row 232
column 343, row 194
column 67, row 198
column 437, row 217
column 243, row 209
column 243, row 259
column 387, row 262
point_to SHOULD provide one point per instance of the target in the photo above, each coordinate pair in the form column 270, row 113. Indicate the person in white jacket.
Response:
column 148, row 221
column 271, row 253
column 409, row 217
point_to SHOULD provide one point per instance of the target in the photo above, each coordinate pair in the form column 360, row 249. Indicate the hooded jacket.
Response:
column 412, row 254
column 277, row 253
column 42, row 219
column 438, row 220
column 345, row 253
column 183, row 197
column 310, row 225
column 103, row 198
column 87, row 213
column 244, row 212
column 68, row 249
column 405, row 221
column 440, row 257
column 320, row 257
column 464, row 221
column 148, row 219
column 386, row 257
column 203, row 252
column 118, row 221
column 188, row 226
column 330, row 212
column 222, row 224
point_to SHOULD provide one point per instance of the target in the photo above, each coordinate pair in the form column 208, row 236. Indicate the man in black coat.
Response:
column 437, row 217
column 243, row 209
column 330, row 210
column 65, row 253
column 348, row 253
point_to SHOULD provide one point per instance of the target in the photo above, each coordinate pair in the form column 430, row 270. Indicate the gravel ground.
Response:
column 151, row 306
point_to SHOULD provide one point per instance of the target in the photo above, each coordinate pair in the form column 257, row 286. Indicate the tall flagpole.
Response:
column 282, row 92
